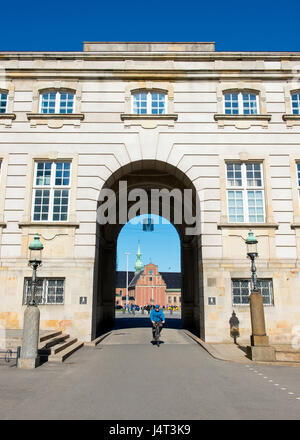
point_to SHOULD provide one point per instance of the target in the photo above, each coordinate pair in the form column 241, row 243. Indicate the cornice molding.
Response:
column 248, row 225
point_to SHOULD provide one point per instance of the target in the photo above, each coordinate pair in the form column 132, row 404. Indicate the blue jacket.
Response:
column 157, row 316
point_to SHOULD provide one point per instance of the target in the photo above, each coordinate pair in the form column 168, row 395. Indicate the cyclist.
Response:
column 157, row 316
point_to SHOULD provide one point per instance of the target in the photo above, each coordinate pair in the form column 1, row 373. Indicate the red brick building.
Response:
column 148, row 287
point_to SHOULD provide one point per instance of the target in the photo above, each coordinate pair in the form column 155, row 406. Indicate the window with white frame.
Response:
column 298, row 176
column 296, row 103
column 241, row 103
column 51, row 191
column 3, row 102
column 57, row 102
column 241, row 290
column 145, row 102
column 47, row 291
column 245, row 192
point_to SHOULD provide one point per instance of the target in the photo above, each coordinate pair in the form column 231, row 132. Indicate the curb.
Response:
column 216, row 355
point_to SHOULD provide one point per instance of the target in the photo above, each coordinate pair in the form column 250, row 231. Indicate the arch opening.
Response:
column 150, row 176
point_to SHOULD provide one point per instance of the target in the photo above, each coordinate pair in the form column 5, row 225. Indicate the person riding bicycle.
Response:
column 157, row 317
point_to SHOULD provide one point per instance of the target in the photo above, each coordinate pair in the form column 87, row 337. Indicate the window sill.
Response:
column 55, row 120
column 291, row 120
column 7, row 118
column 149, row 121
column 50, row 224
column 248, row 225
column 242, row 121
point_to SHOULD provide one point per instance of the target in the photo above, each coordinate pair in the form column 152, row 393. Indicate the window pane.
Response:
column 41, row 204
column 140, row 103
column 66, row 102
column 38, row 290
column 3, row 102
column 55, row 291
column 234, row 174
column 62, row 173
column 48, row 103
column 158, row 103
column 249, row 103
column 256, row 206
column 298, row 172
column 235, row 206
column 60, row 205
column 254, row 177
column 231, row 103
column 43, row 173
column 296, row 103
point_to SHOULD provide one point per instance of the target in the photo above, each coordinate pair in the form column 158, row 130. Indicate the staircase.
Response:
column 57, row 346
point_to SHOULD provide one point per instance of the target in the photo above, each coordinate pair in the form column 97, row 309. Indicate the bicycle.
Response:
column 157, row 326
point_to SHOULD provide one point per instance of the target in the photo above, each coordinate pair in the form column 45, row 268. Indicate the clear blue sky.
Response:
column 162, row 246
column 233, row 24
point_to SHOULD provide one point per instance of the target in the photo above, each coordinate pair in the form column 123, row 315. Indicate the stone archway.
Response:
column 148, row 175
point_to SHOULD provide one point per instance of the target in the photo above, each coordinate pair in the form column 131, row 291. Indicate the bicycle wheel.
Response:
column 157, row 335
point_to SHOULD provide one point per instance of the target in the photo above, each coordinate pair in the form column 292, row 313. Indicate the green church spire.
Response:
column 139, row 264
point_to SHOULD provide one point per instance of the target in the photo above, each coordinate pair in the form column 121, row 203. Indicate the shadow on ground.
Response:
column 138, row 322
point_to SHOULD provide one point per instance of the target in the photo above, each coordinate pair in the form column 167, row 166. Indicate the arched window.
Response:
column 145, row 102
column 296, row 103
column 3, row 102
column 241, row 103
column 57, row 102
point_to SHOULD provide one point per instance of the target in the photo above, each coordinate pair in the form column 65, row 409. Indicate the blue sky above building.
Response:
column 233, row 25
column 161, row 247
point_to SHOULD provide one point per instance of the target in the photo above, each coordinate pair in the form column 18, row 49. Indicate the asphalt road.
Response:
column 128, row 378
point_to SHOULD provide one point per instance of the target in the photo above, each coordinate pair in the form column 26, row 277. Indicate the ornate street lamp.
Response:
column 259, row 349
column 31, row 327
column 35, row 260
column 251, row 242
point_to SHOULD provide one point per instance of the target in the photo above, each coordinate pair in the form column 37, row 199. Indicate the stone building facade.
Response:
column 176, row 115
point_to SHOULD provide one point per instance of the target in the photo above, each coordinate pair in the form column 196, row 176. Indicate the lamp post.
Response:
column 127, row 254
column 29, row 354
column 259, row 350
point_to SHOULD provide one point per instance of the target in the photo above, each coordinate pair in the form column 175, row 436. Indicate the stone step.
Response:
column 288, row 356
column 53, row 341
column 50, row 335
column 59, row 347
column 62, row 355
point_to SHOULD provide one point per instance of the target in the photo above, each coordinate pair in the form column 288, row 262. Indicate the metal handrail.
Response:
column 8, row 354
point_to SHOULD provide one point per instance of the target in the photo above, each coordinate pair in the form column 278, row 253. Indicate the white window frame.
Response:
column 52, row 187
column 149, row 101
column 3, row 92
column 298, row 178
column 298, row 100
column 245, row 188
column 45, row 282
column 241, row 101
column 57, row 101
